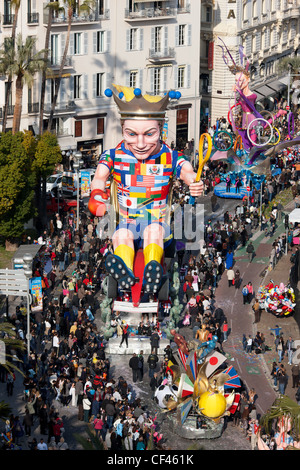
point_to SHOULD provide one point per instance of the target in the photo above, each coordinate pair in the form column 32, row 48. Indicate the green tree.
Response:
column 17, row 182
column 19, row 59
column 47, row 156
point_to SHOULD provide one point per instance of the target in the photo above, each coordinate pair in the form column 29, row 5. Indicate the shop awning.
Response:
column 264, row 90
column 278, row 85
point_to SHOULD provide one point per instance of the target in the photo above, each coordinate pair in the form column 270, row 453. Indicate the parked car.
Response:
column 54, row 183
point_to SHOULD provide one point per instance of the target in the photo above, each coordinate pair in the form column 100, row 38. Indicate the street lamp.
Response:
column 27, row 267
column 78, row 162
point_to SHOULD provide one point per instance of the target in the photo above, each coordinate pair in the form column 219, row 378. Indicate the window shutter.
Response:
column 108, row 80
column 166, row 38
column 108, row 41
column 165, row 83
column 85, row 43
column 188, row 76
column 152, row 80
column 94, row 84
column 62, row 44
column 48, row 90
column 152, row 38
column 85, row 91
column 141, row 72
column 71, row 48
column 141, row 39
column 127, row 39
column 189, row 35
column 177, row 35
column 175, row 71
column 63, row 90
column 94, row 42
column 257, row 40
column 71, row 87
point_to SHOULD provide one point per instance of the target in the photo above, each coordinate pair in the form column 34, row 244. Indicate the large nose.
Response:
column 141, row 141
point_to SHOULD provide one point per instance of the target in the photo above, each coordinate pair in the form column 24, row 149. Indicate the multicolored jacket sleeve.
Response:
column 178, row 162
column 107, row 159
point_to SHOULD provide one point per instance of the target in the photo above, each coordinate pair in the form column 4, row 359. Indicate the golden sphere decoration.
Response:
column 212, row 404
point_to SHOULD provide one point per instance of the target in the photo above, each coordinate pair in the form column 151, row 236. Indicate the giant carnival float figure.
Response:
column 256, row 135
column 141, row 168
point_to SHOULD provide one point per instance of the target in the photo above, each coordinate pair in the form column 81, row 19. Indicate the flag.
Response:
column 183, row 358
column 185, row 387
column 234, row 381
column 123, row 190
column 235, row 403
column 184, row 409
column 191, row 363
column 214, row 361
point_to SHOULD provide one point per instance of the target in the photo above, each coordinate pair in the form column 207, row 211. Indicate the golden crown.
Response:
column 133, row 105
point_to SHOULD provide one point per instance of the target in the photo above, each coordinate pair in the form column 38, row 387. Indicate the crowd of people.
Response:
column 67, row 365
column 67, row 362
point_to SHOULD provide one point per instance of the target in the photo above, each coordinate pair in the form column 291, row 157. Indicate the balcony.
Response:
column 32, row 18
column 166, row 53
column 33, row 108
column 8, row 20
column 150, row 14
column 55, row 62
column 65, row 107
column 85, row 18
column 185, row 9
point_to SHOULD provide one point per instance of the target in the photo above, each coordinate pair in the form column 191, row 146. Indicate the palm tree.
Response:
column 70, row 7
column 20, row 60
column 16, row 4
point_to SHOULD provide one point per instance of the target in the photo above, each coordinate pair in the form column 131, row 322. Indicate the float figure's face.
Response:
column 142, row 138
column 241, row 81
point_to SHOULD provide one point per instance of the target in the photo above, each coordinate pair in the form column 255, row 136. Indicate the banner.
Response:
column 37, row 294
column 85, row 185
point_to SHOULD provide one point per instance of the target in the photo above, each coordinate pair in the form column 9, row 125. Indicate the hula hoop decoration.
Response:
column 276, row 131
column 238, row 143
column 222, row 141
column 231, row 114
column 258, row 128
column 291, row 124
column 202, row 159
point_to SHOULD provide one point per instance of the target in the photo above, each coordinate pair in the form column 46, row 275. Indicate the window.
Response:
column 77, row 86
column 54, row 49
column 157, row 81
column 77, row 43
column 181, row 76
column 254, row 9
column 208, row 14
column 158, row 39
column 100, row 125
column 78, row 128
column 181, row 37
column 133, row 74
column 99, row 84
column 100, row 41
column 133, row 39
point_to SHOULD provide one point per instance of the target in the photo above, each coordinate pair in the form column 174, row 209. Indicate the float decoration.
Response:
column 277, row 299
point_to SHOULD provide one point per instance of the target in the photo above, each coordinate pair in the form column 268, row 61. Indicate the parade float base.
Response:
column 188, row 429
column 136, row 344
column 220, row 191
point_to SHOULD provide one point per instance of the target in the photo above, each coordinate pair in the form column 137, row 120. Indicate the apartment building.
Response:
column 268, row 30
column 153, row 45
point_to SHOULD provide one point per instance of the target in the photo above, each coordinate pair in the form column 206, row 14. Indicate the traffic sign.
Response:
column 287, row 107
column 248, row 188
